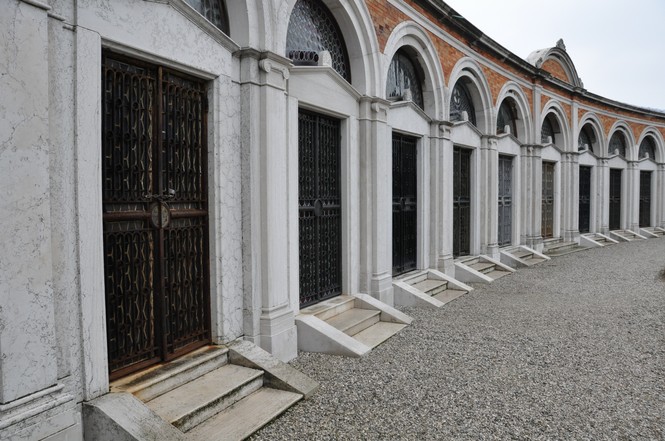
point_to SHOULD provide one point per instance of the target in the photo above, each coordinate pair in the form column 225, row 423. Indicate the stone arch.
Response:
column 408, row 35
column 244, row 16
column 470, row 72
column 554, row 110
column 543, row 58
column 513, row 91
column 622, row 127
column 592, row 121
column 356, row 26
column 659, row 143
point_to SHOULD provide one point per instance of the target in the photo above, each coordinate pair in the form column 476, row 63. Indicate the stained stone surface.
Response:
column 573, row 348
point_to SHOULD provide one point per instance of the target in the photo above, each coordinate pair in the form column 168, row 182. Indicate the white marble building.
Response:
column 497, row 152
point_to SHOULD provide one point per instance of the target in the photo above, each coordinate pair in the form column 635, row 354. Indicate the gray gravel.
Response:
column 573, row 348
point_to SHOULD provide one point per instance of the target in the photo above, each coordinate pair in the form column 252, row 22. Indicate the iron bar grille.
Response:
column 505, row 236
column 154, row 213
column 214, row 11
column 547, row 201
column 645, row 199
column 585, row 199
column 402, row 76
column 615, row 199
column 647, row 147
column 462, row 202
column 312, row 28
column 461, row 101
column 547, row 131
column 320, row 208
column 618, row 143
column 585, row 139
column 405, row 213
column 507, row 117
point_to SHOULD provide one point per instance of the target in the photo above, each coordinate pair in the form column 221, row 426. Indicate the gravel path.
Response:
column 573, row 348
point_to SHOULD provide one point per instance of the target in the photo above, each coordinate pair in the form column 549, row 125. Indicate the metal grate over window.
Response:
column 507, row 117
column 547, row 131
column 618, row 143
column 403, row 77
column 312, row 29
column 586, row 139
column 647, row 147
column 461, row 102
column 214, row 11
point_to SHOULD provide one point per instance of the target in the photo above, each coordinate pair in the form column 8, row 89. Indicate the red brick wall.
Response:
column 556, row 69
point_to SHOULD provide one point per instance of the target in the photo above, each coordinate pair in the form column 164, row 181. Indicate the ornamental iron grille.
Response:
column 647, row 149
column 214, row 11
column 507, row 117
column 320, row 207
column 618, row 144
column 584, row 217
column 505, row 200
column 312, row 29
column 547, row 202
column 615, row 199
column 645, row 199
column 155, row 214
column 403, row 76
column 548, row 131
column 586, row 139
column 460, row 101
column 405, row 190
column 461, row 202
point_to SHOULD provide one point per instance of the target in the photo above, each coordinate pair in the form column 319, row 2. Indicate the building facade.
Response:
column 178, row 173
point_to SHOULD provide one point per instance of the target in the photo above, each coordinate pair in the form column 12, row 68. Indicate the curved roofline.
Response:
column 452, row 19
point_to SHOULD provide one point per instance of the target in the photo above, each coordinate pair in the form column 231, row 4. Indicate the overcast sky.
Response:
column 618, row 47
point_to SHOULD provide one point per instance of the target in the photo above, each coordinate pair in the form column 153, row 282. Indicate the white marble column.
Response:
column 27, row 340
column 632, row 196
column 489, row 191
column 570, row 196
column 375, row 200
column 532, row 195
column 269, row 320
column 603, row 196
column 441, row 160
column 660, row 196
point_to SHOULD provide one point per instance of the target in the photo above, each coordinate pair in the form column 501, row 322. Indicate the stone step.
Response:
column 431, row 286
column 331, row 307
column 522, row 254
column 468, row 261
column 496, row 274
column 378, row 333
column 245, row 417
column 415, row 279
column 449, row 295
column 192, row 403
column 355, row 320
column 483, row 267
column 533, row 260
column 160, row 379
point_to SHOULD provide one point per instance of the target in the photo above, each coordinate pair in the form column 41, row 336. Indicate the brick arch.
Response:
column 654, row 134
column 623, row 127
column 469, row 70
column 592, row 120
column 409, row 35
column 524, row 124
column 555, row 109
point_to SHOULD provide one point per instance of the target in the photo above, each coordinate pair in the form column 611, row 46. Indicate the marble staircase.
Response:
column 652, row 231
column 521, row 256
column 625, row 235
column 558, row 247
column 206, row 396
column 348, row 325
column 480, row 269
column 590, row 240
column 427, row 288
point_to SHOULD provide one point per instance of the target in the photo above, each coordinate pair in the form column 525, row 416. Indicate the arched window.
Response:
column 507, row 117
column 461, row 101
column 214, row 11
column 647, row 147
column 618, row 143
column 549, row 129
column 402, row 77
column 312, row 29
column 586, row 139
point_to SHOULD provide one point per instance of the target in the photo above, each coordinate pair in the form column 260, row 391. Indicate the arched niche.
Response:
column 620, row 140
column 409, row 38
column 469, row 92
column 554, row 126
column 590, row 135
column 654, row 137
column 515, row 106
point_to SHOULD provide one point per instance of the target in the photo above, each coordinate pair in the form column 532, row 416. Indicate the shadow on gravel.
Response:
column 662, row 275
